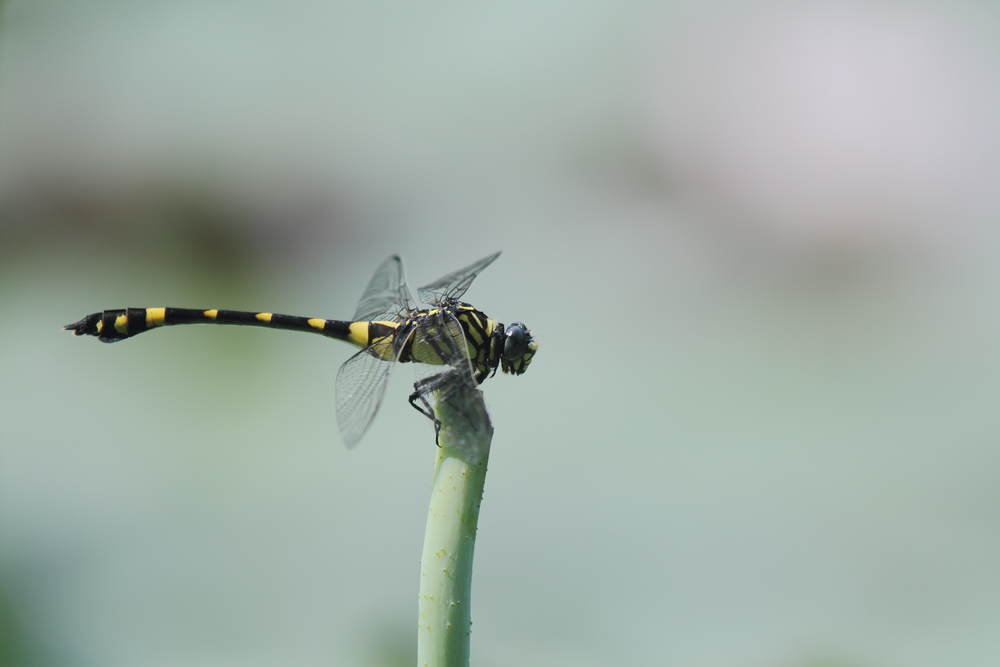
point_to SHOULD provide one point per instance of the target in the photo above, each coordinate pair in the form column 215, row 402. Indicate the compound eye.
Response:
column 515, row 342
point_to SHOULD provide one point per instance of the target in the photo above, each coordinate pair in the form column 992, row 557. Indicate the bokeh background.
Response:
column 758, row 242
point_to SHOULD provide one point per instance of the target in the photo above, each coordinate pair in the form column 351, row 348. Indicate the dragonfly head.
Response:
column 518, row 349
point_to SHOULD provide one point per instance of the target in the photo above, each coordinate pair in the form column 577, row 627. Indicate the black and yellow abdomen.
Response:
column 111, row 326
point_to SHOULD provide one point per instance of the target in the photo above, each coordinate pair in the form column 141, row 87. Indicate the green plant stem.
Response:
column 445, row 623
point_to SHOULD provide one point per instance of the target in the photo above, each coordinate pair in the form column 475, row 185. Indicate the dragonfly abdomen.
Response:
column 111, row 326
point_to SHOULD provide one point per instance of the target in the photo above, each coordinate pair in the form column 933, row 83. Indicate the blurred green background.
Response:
column 758, row 244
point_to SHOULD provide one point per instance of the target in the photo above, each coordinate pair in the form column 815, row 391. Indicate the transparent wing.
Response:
column 387, row 297
column 446, row 375
column 439, row 346
column 361, row 384
column 454, row 285
column 465, row 423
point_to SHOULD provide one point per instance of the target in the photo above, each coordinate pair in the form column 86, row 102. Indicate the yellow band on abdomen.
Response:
column 359, row 333
column 155, row 317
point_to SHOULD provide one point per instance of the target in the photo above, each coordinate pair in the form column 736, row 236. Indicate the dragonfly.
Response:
column 453, row 346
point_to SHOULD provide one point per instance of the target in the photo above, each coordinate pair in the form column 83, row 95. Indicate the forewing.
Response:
column 454, row 285
column 361, row 384
column 439, row 346
column 466, row 424
column 451, row 381
column 387, row 297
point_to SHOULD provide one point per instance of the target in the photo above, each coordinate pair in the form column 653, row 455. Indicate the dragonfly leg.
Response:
column 420, row 391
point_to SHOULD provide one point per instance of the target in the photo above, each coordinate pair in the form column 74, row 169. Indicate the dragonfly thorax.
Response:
column 488, row 344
